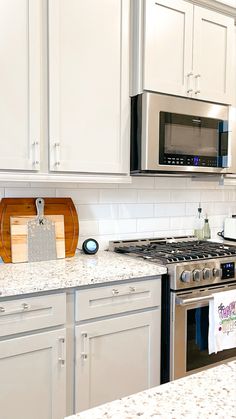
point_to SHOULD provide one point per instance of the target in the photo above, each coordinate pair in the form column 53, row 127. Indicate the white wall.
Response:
column 149, row 207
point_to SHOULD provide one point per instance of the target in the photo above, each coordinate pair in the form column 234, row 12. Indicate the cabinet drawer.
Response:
column 32, row 313
column 104, row 301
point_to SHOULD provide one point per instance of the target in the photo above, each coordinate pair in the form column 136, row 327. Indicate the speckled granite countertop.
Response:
column 81, row 270
column 208, row 394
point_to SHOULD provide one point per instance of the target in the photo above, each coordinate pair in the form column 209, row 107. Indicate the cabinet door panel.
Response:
column 19, row 84
column 123, row 357
column 88, row 71
column 212, row 57
column 167, row 46
column 32, row 379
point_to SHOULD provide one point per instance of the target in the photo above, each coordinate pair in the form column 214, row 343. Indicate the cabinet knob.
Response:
column 25, row 306
column 2, row 310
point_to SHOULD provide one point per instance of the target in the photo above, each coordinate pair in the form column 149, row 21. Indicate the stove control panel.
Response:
column 188, row 275
column 227, row 270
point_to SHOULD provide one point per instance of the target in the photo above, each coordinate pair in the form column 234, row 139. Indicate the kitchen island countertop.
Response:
column 207, row 394
column 80, row 271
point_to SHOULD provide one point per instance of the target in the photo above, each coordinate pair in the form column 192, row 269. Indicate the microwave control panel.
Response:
column 190, row 161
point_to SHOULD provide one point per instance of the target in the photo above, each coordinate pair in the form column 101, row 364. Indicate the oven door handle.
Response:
column 182, row 302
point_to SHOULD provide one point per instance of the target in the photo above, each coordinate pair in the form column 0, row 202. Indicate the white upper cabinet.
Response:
column 183, row 49
column 20, row 84
column 213, row 56
column 167, row 46
column 89, row 86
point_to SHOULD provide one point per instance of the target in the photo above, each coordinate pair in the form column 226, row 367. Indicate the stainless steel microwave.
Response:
column 174, row 134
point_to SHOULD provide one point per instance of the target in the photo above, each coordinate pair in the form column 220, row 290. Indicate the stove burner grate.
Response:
column 174, row 252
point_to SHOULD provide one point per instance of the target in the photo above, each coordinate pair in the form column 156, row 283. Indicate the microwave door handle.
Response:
column 183, row 302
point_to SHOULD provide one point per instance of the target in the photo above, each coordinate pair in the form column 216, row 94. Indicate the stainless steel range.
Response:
column 196, row 270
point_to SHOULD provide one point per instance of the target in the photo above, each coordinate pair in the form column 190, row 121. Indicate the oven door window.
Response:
column 197, row 341
column 191, row 140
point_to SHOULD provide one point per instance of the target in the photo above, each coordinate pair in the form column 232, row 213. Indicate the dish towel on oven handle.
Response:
column 222, row 321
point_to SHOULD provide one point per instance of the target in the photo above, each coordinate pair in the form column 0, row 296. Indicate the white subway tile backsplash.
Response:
column 148, row 207
column 136, row 210
column 88, row 228
column 153, row 196
column 217, row 221
column 170, row 182
column 153, row 224
column 15, row 185
column 110, row 196
column 97, row 185
column 97, row 211
column 182, row 223
column 117, row 226
column 169, row 210
column 212, row 196
column 202, row 183
column 80, row 196
column 185, row 195
column 139, row 183
column 29, row 192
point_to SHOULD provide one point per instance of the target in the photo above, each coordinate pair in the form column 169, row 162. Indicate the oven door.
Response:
column 189, row 333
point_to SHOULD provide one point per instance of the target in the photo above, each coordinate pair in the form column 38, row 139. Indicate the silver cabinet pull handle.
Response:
column 197, row 79
column 84, row 354
column 189, row 82
column 131, row 290
column 24, row 307
column 57, row 154
column 61, row 358
column 36, row 160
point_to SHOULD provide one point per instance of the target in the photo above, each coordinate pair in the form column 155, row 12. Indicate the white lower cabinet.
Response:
column 117, row 341
column 32, row 374
column 32, row 357
column 116, row 357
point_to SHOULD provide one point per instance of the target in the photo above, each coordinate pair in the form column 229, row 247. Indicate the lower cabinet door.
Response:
column 32, row 372
column 116, row 357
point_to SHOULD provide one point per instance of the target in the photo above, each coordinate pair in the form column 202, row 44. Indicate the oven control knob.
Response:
column 197, row 275
column 186, row 276
column 217, row 272
column 207, row 273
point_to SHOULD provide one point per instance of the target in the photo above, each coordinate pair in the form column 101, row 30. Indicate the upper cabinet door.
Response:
column 168, row 46
column 213, row 56
column 19, row 84
column 89, row 85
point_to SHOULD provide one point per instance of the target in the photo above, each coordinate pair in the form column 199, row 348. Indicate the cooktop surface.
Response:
column 174, row 250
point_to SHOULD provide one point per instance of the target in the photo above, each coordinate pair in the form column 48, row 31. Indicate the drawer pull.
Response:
column 24, row 307
column 84, row 354
column 61, row 358
column 131, row 290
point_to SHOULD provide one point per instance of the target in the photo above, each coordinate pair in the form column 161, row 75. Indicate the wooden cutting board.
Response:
column 19, row 237
column 17, row 207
